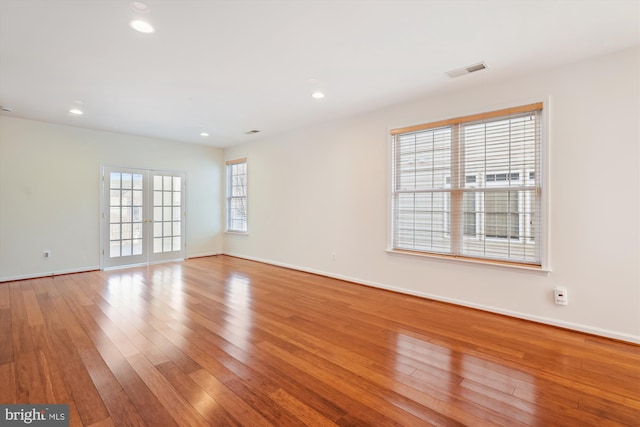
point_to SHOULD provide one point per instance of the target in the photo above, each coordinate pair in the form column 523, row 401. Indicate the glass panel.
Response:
column 114, row 199
column 126, row 231
column 114, row 249
column 166, row 183
column 136, row 230
column 166, row 213
column 126, row 214
column 137, row 181
column 157, row 182
column 137, row 198
column 126, row 247
column 501, row 214
column 176, row 243
column 469, row 206
column 157, row 214
column 126, row 181
column 176, row 198
column 177, row 214
column 166, row 229
column 166, row 247
column 126, row 198
column 137, row 246
column 114, row 232
column 137, row 214
column 177, row 183
column 157, row 229
column 157, row 245
column 166, row 201
column 114, row 179
column 114, row 215
column 423, row 221
column 176, row 228
column 157, row 198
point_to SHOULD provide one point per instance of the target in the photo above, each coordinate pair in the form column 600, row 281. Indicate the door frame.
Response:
column 148, row 256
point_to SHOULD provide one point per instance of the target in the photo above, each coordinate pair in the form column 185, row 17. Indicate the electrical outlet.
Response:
column 560, row 296
column 46, row 254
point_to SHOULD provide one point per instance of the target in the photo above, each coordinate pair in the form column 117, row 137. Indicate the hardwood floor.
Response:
column 224, row 341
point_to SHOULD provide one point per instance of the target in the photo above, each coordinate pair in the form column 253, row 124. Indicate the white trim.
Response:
column 538, row 319
column 49, row 274
column 229, row 165
column 484, row 262
column 204, row 254
column 143, row 264
column 545, row 231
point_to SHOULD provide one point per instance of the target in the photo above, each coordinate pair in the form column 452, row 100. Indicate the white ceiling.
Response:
column 227, row 67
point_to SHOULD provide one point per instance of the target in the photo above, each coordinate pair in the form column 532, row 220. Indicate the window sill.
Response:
column 238, row 233
column 476, row 261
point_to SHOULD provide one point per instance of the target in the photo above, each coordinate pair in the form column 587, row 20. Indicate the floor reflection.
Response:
column 126, row 287
column 168, row 285
column 464, row 376
column 238, row 323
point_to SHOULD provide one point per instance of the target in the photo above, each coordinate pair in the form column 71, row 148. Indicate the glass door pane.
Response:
column 124, row 217
column 168, row 216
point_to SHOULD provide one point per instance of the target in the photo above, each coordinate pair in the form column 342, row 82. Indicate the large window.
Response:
column 237, row 196
column 470, row 187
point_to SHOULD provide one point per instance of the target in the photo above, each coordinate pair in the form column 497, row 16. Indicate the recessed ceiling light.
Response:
column 76, row 112
column 142, row 26
column 317, row 95
column 253, row 131
column 204, row 134
column 7, row 109
column 138, row 6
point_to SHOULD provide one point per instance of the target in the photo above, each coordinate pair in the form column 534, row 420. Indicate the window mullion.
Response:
column 455, row 216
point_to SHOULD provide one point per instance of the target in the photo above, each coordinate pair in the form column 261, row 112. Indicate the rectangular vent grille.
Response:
column 467, row 70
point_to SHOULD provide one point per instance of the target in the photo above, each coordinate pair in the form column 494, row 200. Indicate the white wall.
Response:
column 50, row 193
column 324, row 190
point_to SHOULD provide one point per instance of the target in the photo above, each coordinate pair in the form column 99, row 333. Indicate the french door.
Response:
column 143, row 216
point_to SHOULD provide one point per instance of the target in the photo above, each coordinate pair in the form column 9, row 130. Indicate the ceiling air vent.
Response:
column 251, row 132
column 467, row 70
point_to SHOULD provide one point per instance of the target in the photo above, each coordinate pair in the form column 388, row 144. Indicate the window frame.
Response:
column 231, row 218
column 541, row 192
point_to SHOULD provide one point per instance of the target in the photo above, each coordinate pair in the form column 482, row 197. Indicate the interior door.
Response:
column 143, row 216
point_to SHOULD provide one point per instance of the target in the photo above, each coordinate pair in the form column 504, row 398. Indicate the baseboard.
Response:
column 49, row 274
column 90, row 268
column 203, row 255
column 538, row 319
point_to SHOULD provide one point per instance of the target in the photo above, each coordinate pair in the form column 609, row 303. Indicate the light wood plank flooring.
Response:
column 223, row 341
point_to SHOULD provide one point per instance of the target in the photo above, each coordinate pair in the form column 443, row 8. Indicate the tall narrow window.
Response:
column 237, row 195
column 470, row 187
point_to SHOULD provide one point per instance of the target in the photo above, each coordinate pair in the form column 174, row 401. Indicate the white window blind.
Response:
column 470, row 187
column 237, row 195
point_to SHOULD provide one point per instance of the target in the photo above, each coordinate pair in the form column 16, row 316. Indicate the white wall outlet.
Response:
column 560, row 296
column 46, row 254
